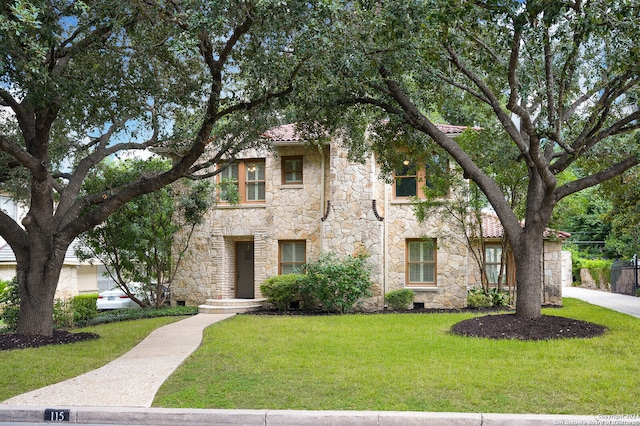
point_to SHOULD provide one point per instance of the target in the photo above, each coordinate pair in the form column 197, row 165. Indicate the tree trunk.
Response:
column 38, row 282
column 528, row 258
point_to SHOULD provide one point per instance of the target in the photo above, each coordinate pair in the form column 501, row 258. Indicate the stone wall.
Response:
column 588, row 281
column 451, row 258
column 352, row 225
column 552, row 273
column 290, row 212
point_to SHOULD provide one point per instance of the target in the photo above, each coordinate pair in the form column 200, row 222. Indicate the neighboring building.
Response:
column 76, row 277
column 298, row 200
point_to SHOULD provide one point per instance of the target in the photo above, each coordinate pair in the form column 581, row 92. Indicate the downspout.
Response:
column 385, row 240
column 322, row 196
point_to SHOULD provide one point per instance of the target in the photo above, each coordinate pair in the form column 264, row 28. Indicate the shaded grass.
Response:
column 408, row 362
column 28, row 369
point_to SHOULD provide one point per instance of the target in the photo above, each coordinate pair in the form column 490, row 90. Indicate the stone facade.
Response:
column 341, row 206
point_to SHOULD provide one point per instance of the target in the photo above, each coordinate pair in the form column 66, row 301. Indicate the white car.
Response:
column 115, row 298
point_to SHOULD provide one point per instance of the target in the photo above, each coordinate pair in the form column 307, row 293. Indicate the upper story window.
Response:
column 292, row 170
column 230, row 176
column 421, row 263
column 255, row 180
column 406, row 181
column 248, row 178
column 411, row 179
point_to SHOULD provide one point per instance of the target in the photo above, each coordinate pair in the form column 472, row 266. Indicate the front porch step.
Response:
column 229, row 306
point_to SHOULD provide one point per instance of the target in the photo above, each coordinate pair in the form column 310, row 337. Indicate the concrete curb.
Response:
column 173, row 416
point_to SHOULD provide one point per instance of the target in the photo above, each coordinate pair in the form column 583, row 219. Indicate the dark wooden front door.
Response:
column 245, row 270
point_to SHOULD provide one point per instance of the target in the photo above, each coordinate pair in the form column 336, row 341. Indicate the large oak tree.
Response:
column 82, row 81
column 558, row 78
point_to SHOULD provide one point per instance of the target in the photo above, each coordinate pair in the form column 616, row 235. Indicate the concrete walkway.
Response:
column 133, row 379
column 629, row 305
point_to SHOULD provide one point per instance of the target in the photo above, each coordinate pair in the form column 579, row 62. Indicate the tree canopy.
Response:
column 559, row 79
column 81, row 81
column 145, row 239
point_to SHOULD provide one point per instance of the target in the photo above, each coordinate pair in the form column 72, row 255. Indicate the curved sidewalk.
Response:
column 133, row 379
column 629, row 305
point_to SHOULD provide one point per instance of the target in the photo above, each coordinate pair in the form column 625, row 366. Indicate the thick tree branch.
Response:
column 488, row 186
column 549, row 79
column 14, row 234
column 533, row 154
column 465, row 88
column 596, row 178
column 23, row 157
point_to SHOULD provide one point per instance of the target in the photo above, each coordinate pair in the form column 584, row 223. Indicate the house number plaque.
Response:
column 55, row 415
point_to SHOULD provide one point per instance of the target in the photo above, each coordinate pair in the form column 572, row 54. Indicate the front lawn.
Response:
column 408, row 362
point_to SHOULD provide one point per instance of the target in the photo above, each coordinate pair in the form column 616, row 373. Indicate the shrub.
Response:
column 135, row 314
column 477, row 298
column 84, row 307
column 62, row 314
column 10, row 303
column 399, row 300
column 336, row 282
column 282, row 290
column 499, row 298
column 600, row 270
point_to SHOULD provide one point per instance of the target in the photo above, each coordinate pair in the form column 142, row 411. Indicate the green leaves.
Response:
column 336, row 282
column 141, row 242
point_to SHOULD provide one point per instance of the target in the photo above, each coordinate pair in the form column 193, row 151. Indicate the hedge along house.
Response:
column 298, row 200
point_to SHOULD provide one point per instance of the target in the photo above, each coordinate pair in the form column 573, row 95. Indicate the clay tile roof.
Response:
column 285, row 133
column 288, row 133
column 492, row 228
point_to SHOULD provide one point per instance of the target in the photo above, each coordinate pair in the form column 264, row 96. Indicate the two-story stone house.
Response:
column 298, row 200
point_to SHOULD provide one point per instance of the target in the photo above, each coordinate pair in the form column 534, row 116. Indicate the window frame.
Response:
column 496, row 264
column 285, row 170
column 410, row 166
column 243, row 183
column 421, row 177
column 409, row 262
column 281, row 262
column 249, row 183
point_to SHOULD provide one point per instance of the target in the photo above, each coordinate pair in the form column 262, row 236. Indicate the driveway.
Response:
column 629, row 305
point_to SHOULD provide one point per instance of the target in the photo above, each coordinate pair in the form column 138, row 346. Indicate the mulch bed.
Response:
column 501, row 324
column 10, row 341
column 509, row 326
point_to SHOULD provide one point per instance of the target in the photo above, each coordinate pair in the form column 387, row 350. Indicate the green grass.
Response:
column 408, row 362
column 27, row 369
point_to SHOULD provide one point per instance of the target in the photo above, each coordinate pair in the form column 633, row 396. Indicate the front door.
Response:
column 244, row 270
